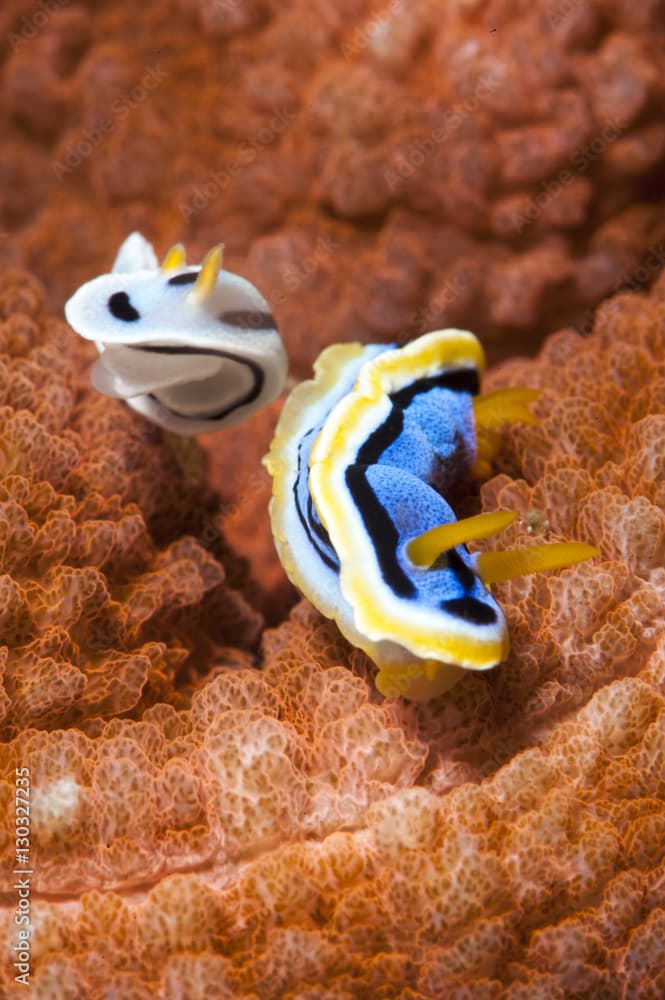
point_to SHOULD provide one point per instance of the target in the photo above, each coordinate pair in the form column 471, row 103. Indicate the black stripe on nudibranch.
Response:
column 381, row 438
column 459, row 380
column 249, row 319
column 464, row 576
column 378, row 523
column 316, row 533
column 186, row 278
column 255, row 369
column 120, row 307
column 381, row 530
column 471, row 610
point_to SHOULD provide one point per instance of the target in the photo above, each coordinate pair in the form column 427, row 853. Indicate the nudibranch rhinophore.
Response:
column 361, row 460
column 191, row 348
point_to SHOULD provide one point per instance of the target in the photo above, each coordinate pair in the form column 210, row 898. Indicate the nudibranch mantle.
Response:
column 361, row 458
column 191, row 348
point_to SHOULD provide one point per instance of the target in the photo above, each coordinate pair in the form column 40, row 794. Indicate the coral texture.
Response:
column 205, row 829
column 105, row 599
column 379, row 169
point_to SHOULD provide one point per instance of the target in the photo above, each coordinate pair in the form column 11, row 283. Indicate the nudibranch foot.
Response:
column 191, row 348
column 418, row 682
column 362, row 458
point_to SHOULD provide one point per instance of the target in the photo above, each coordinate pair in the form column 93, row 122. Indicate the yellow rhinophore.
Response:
column 207, row 277
column 426, row 548
column 174, row 259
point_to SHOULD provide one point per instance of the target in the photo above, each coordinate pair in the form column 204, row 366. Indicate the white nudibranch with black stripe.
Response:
column 191, row 348
column 361, row 459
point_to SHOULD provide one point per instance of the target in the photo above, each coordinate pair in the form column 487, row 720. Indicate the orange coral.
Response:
column 286, row 832
column 91, row 610
column 384, row 167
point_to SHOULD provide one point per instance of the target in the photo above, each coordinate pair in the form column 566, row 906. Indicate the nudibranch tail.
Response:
column 361, row 461
column 428, row 547
column 191, row 348
column 495, row 567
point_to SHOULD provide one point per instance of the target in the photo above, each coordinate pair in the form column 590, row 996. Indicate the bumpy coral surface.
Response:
column 203, row 828
column 377, row 168
column 105, row 598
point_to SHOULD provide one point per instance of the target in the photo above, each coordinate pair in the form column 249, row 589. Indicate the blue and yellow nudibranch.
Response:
column 362, row 458
column 192, row 348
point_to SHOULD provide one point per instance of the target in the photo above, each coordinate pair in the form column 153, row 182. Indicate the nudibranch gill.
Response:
column 192, row 348
column 362, row 458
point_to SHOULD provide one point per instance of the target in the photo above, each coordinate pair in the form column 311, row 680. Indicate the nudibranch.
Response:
column 192, row 348
column 362, row 458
